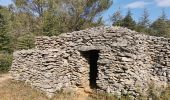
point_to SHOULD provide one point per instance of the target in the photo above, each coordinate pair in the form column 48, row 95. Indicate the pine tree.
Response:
column 144, row 20
column 163, row 16
column 161, row 26
column 5, row 41
column 4, row 34
column 128, row 21
column 117, row 18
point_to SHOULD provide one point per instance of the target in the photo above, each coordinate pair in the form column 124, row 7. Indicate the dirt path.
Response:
column 4, row 77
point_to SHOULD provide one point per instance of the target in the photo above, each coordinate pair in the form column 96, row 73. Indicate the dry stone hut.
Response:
column 112, row 59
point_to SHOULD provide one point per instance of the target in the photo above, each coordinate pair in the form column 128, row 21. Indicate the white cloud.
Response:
column 138, row 4
column 163, row 3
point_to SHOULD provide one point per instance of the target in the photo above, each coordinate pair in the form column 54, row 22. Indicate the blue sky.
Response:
column 5, row 2
column 154, row 7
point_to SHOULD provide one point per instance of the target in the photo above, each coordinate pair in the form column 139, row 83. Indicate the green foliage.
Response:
column 53, row 17
column 144, row 23
column 5, row 42
column 25, row 42
column 5, row 62
column 152, row 92
column 165, row 95
column 128, row 21
column 49, row 27
column 103, row 96
column 4, row 34
column 161, row 27
column 117, row 18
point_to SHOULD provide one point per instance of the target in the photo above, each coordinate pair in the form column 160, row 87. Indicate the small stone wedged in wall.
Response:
column 128, row 61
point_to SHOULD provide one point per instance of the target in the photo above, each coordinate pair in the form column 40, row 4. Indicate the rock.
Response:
column 122, row 43
column 104, row 61
column 126, row 59
column 108, row 89
column 124, row 92
column 88, row 48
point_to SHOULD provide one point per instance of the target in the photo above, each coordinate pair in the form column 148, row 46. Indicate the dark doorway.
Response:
column 92, row 57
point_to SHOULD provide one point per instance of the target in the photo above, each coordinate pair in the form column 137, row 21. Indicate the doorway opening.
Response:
column 92, row 58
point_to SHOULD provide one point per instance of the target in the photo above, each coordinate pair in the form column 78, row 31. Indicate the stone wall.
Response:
column 128, row 61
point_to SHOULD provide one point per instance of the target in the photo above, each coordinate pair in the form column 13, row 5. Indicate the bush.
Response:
column 5, row 62
column 25, row 42
column 165, row 95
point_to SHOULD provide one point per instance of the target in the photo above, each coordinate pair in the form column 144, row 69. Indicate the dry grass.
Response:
column 12, row 90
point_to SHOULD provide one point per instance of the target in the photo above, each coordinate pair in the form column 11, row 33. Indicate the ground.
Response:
column 4, row 77
column 12, row 90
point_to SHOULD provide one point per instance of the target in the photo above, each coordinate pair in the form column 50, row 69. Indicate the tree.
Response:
column 5, row 40
column 144, row 20
column 128, row 21
column 34, row 7
column 163, row 15
column 117, row 18
column 25, row 42
column 161, row 26
column 57, row 16
column 5, row 62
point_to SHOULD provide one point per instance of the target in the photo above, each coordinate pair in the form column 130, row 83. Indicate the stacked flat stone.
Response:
column 128, row 61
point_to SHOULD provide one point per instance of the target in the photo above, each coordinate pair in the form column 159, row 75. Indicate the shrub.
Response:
column 25, row 42
column 165, row 95
column 5, row 62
